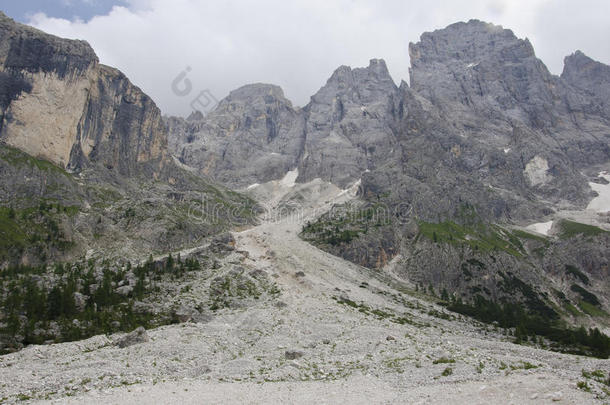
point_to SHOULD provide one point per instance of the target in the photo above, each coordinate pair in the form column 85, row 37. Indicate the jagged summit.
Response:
column 582, row 71
column 195, row 116
column 465, row 41
column 466, row 62
column 359, row 84
column 24, row 48
column 590, row 76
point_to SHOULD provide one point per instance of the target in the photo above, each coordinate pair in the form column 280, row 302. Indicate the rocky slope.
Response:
column 331, row 331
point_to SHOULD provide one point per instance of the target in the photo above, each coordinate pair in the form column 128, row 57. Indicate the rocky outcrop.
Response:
column 59, row 103
column 133, row 338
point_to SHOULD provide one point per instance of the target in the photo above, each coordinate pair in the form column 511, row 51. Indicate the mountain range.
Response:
column 481, row 187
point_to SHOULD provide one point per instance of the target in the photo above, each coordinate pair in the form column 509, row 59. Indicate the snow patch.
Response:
column 541, row 227
column 290, row 179
column 471, row 65
column 601, row 203
column 251, row 186
column 506, row 150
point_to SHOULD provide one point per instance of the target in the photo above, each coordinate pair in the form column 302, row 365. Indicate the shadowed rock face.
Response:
column 60, row 104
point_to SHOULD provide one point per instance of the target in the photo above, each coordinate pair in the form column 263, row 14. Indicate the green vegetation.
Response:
column 592, row 310
column 15, row 157
column 577, row 273
column 600, row 376
column 524, row 365
column 447, row 372
column 228, row 290
column 529, row 324
column 569, row 229
column 80, row 300
column 378, row 313
column 342, row 227
column 526, row 235
column 36, row 230
column 512, row 285
column 443, row 360
column 586, row 296
column 480, row 237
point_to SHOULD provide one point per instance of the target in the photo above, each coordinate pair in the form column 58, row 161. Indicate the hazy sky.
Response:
column 296, row 44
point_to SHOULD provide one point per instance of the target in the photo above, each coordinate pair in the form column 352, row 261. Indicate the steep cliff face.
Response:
column 497, row 94
column 482, row 66
column 60, row 104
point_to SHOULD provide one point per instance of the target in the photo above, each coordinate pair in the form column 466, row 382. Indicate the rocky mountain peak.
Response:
column 482, row 66
column 585, row 73
column 468, row 42
column 195, row 116
column 254, row 91
column 582, row 71
column 363, row 85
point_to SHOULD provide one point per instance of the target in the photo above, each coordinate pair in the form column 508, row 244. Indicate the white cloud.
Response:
column 297, row 44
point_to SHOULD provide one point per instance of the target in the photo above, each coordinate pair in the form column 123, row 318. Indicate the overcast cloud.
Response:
column 297, row 44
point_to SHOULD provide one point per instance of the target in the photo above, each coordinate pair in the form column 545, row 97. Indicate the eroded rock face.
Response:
column 60, row 104
column 253, row 136
column 348, row 124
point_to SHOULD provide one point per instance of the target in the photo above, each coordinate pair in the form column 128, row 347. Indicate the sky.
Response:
column 185, row 51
